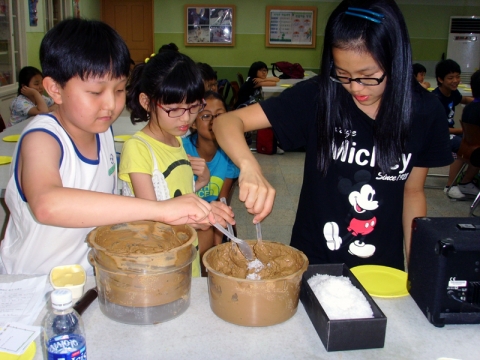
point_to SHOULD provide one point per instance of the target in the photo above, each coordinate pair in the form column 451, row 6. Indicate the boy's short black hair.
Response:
column 83, row 48
column 418, row 68
column 475, row 84
column 207, row 71
column 446, row 67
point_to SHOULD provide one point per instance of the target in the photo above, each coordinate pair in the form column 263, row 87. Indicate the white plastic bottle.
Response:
column 63, row 331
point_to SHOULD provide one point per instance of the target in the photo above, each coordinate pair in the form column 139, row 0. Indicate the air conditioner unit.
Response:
column 464, row 44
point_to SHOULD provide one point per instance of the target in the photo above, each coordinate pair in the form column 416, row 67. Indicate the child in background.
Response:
column 202, row 143
column 448, row 73
column 65, row 176
column 167, row 93
column 209, row 77
column 419, row 71
column 30, row 100
column 252, row 88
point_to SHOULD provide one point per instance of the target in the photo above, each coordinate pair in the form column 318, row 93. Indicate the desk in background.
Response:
column 269, row 91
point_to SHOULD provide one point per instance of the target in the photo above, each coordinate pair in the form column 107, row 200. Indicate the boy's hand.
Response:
column 223, row 213
column 200, row 168
column 186, row 209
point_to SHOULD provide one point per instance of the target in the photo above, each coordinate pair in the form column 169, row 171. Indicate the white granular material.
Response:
column 256, row 265
column 339, row 298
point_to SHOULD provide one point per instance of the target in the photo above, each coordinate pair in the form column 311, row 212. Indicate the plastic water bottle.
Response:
column 63, row 331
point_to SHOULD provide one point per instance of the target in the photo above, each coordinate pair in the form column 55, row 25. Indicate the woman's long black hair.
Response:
column 389, row 45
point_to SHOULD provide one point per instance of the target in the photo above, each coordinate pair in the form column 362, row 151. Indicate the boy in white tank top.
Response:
column 64, row 167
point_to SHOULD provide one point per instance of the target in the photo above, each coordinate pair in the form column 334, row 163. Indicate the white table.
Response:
column 283, row 84
column 122, row 126
column 200, row 334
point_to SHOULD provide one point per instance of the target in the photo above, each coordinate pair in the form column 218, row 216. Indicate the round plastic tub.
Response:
column 255, row 302
column 139, row 282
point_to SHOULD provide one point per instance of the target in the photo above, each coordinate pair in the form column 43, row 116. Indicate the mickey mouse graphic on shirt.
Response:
column 360, row 220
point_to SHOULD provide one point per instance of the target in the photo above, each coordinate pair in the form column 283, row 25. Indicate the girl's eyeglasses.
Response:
column 361, row 81
column 209, row 117
column 177, row 112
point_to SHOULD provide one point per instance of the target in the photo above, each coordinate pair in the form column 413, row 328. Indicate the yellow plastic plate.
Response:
column 27, row 355
column 11, row 138
column 286, row 85
column 431, row 89
column 382, row 281
column 122, row 138
column 5, row 160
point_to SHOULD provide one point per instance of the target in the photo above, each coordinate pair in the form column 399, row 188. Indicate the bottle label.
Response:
column 67, row 347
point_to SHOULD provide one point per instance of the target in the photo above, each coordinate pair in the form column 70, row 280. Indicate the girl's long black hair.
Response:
column 169, row 77
column 389, row 45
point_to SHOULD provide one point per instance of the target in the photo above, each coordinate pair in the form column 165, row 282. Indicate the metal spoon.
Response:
column 245, row 249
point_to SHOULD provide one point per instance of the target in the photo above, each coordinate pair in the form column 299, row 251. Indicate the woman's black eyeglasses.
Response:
column 177, row 112
column 209, row 117
column 361, row 81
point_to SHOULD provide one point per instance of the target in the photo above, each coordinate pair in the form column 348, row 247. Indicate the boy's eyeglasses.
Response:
column 209, row 117
column 361, row 81
column 177, row 112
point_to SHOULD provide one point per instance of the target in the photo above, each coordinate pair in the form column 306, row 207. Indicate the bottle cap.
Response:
column 61, row 299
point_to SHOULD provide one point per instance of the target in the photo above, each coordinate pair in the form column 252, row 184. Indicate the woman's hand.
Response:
column 200, row 168
column 256, row 192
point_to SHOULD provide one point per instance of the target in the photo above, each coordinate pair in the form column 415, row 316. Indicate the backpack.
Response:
column 289, row 70
column 266, row 142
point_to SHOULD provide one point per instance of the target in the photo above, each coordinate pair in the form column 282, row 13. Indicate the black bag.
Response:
column 289, row 70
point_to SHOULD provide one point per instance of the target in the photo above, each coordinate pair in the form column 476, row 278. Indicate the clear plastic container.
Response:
column 254, row 302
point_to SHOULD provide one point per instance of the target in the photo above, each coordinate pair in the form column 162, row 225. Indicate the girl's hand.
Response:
column 223, row 213
column 28, row 92
column 187, row 209
column 256, row 192
column 200, row 168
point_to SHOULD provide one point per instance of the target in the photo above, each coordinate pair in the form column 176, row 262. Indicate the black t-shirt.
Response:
column 449, row 103
column 355, row 203
column 248, row 90
column 471, row 113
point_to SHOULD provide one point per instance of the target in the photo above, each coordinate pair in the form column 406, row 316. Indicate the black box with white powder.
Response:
column 344, row 334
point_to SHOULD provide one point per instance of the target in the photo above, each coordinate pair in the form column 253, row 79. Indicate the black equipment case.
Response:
column 444, row 269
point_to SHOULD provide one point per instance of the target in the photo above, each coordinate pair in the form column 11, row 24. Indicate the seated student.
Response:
column 470, row 115
column 209, row 77
column 419, row 71
column 447, row 73
column 256, row 78
column 30, row 100
column 202, row 143
column 251, row 90
column 64, row 178
column 171, row 47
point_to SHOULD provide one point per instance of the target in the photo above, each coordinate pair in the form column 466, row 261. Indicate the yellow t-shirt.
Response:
column 172, row 162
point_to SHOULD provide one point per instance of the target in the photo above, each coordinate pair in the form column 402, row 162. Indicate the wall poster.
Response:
column 210, row 25
column 291, row 26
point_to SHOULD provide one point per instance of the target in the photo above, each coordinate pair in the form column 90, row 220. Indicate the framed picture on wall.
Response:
column 291, row 26
column 209, row 25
